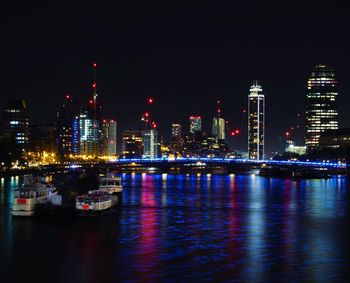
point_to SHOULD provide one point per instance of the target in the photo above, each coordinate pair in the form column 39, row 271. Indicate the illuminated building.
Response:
column 150, row 143
column 132, row 144
column 195, row 124
column 256, row 122
column 335, row 139
column 66, row 132
column 109, row 137
column 301, row 150
column 89, row 138
column 15, row 125
column 176, row 138
column 176, row 131
column 321, row 110
column 218, row 129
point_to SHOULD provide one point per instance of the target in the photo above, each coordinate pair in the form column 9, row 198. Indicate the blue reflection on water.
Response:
column 199, row 227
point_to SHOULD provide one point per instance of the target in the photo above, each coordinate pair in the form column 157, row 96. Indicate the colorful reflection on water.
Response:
column 192, row 227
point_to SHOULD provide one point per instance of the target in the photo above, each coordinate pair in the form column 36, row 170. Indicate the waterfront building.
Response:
column 195, row 124
column 109, row 137
column 132, row 144
column 291, row 148
column 15, row 125
column 321, row 108
column 218, row 128
column 256, row 122
column 89, row 138
column 150, row 143
column 70, row 110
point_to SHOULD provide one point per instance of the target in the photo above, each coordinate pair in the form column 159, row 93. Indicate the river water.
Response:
column 180, row 228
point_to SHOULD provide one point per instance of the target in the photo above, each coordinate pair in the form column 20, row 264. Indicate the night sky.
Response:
column 184, row 54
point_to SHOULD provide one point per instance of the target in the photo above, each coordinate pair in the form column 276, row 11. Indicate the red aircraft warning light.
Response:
column 150, row 100
column 94, row 65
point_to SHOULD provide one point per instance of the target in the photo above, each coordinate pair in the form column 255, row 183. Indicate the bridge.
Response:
column 223, row 164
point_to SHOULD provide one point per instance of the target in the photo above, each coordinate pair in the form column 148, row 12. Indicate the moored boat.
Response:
column 34, row 191
column 95, row 203
column 110, row 183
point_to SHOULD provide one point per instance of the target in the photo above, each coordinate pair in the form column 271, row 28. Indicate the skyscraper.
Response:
column 321, row 109
column 176, row 131
column 70, row 109
column 109, row 137
column 15, row 124
column 89, row 141
column 150, row 143
column 256, row 122
column 218, row 129
column 195, row 124
column 176, row 139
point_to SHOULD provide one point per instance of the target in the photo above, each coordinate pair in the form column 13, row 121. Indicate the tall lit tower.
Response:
column 256, row 122
column 149, row 134
column 321, row 109
column 218, row 129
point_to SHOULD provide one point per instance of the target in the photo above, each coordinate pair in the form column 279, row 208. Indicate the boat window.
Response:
column 103, row 183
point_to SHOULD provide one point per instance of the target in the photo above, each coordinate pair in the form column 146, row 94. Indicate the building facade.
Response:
column 256, row 122
column 70, row 110
column 321, row 108
column 15, row 124
column 176, row 131
column 150, row 143
column 132, row 144
column 109, row 137
column 195, row 124
column 218, row 128
column 89, row 137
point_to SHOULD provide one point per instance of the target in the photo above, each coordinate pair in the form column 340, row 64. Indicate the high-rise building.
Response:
column 150, row 143
column 176, row 141
column 195, row 124
column 132, row 144
column 256, row 122
column 70, row 109
column 218, row 129
column 321, row 109
column 89, row 138
column 176, row 131
column 15, row 124
column 109, row 137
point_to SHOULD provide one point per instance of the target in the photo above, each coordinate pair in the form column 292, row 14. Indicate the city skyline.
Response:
column 186, row 56
column 94, row 109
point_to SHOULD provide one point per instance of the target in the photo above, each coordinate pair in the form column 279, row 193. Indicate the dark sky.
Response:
column 184, row 54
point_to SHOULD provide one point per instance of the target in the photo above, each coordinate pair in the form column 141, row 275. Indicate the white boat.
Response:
column 33, row 192
column 110, row 184
column 95, row 202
